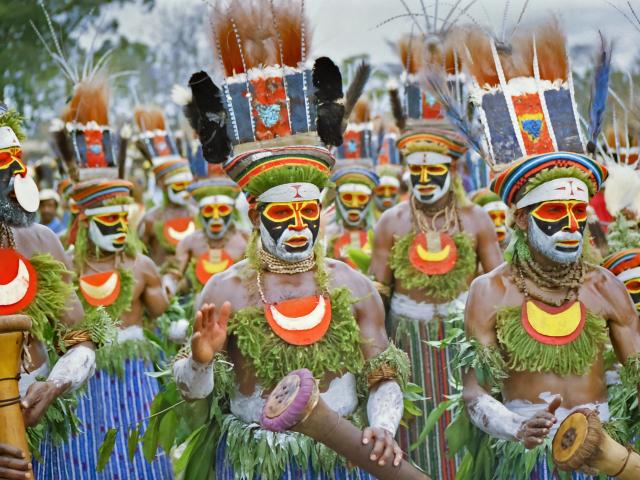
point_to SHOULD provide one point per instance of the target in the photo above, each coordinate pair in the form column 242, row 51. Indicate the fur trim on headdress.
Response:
column 90, row 102
column 622, row 189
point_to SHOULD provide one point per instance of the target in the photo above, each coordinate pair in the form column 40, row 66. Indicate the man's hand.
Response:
column 14, row 463
column 209, row 332
column 38, row 398
column 385, row 449
column 535, row 430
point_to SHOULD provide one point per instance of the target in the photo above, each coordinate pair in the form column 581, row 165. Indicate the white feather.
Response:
column 180, row 95
column 621, row 189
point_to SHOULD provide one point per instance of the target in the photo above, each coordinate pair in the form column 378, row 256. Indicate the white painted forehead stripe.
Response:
column 354, row 188
column 290, row 192
column 629, row 274
column 389, row 181
column 491, row 206
column 427, row 158
column 91, row 212
column 556, row 189
column 216, row 199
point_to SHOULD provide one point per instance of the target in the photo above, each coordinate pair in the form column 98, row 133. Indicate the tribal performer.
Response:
column 497, row 210
column 36, row 281
column 389, row 169
column 539, row 322
column 215, row 247
column 116, row 279
column 285, row 307
column 354, row 182
column 162, row 227
column 426, row 252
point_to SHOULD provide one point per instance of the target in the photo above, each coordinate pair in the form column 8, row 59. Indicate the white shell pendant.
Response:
column 26, row 192
column 14, row 291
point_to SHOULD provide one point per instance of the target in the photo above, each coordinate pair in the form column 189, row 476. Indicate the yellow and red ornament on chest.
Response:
column 18, row 282
column 100, row 289
column 433, row 253
column 553, row 325
column 214, row 261
column 358, row 239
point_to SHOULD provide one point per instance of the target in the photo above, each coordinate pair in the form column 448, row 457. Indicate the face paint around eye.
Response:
column 177, row 193
column 289, row 230
column 430, row 182
column 633, row 287
column 216, row 219
column 353, row 203
column 109, row 231
column 556, row 229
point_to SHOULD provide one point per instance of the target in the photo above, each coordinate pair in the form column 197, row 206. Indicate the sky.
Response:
column 344, row 28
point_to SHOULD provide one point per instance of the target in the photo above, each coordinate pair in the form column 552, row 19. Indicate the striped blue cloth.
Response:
column 224, row 471
column 109, row 402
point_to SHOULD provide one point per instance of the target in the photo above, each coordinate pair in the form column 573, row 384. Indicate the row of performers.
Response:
column 464, row 392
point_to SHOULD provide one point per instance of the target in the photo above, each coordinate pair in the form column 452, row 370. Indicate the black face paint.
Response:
column 278, row 218
column 11, row 212
column 432, row 177
column 553, row 217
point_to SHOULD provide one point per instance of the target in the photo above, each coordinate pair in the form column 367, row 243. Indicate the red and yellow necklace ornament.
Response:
column 176, row 229
column 214, row 261
column 433, row 253
column 553, row 325
column 100, row 289
column 300, row 321
column 18, row 282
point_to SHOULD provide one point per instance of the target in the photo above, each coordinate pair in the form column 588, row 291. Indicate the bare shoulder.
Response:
column 395, row 217
column 486, row 293
column 474, row 215
column 227, row 286
column 37, row 238
column 607, row 284
column 342, row 275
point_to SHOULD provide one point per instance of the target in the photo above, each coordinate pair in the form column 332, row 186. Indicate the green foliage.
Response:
column 108, row 443
column 443, row 287
column 286, row 174
column 49, row 302
column 272, row 359
column 527, row 354
column 59, row 423
column 622, row 234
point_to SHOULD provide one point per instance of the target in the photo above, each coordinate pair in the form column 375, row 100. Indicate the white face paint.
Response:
column 547, row 244
column 178, row 198
column 435, row 192
column 107, row 243
column 279, row 249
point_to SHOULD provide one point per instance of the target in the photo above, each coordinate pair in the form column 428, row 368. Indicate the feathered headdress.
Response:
column 276, row 113
column 82, row 135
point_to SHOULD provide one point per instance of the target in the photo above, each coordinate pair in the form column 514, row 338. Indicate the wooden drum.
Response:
column 295, row 404
column 582, row 444
column 12, row 429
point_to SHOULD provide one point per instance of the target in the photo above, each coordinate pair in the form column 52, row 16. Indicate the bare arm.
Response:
column 489, row 251
column 171, row 279
column 145, row 228
column 154, row 297
column 382, row 244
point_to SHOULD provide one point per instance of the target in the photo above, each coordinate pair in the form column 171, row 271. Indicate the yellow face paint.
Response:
column 354, row 199
column 216, row 210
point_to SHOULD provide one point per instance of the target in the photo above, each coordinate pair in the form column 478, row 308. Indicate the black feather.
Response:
column 63, row 148
column 123, row 142
column 396, row 108
column 212, row 118
column 190, row 111
column 327, row 81
column 356, row 87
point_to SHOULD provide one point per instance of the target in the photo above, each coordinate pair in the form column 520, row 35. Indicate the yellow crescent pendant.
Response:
column 433, row 254
column 428, row 256
column 553, row 325
column 209, row 263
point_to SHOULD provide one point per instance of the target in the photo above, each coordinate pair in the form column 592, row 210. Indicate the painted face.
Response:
column 18, row 192
column 556, row 229
column 177, row 192
column 353, row 203
column 108, row 231
column 430, row 182
column 497, row 211
column 216, row 219
column 386, row 196
column 289, row 230
column 633, row 287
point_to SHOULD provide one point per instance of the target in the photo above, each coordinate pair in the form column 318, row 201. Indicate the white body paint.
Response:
column 76, row 367
column 385, row 406
column 492, row 417
column 28, row 379
column 194, row 380
column 404, row 306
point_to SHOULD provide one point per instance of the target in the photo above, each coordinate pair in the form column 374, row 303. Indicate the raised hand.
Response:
column 535, row 430
column 209, row 332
